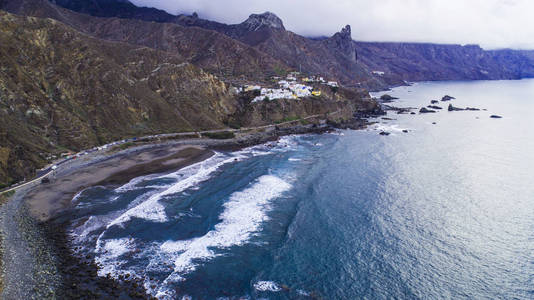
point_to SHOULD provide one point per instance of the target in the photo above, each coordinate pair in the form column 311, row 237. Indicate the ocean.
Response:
column 444, row 210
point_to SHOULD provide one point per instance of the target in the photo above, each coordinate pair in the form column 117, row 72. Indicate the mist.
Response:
column 490, row 23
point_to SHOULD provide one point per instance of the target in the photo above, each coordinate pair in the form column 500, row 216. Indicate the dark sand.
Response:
column 47, row 200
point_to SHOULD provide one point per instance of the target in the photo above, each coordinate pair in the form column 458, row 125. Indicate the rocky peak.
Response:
column 342, row 42
column 345, row 33
column 267, row 19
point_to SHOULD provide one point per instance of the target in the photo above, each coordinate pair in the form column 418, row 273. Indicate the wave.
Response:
column 153, row 210
column 267, row 286
column 388, row 128
column 242, row 217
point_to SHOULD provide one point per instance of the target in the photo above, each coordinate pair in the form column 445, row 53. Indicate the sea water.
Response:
column 445, row 210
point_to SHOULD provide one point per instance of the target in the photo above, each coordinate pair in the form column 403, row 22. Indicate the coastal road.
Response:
column 40, row 177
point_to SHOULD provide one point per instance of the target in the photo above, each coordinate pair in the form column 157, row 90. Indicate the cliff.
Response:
column 420, row 62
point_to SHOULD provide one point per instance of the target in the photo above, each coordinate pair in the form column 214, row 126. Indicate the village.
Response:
column 289, row 88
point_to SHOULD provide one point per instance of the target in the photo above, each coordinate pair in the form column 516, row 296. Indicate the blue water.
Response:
column 443, row 211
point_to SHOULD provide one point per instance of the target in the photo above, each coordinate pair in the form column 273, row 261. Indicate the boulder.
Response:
column 384, row 133
column 425, row 110
column 495, row 117
column 434, row 101
column 387, row 97
column 452, row 108
column 447, row 98
column 434, row 107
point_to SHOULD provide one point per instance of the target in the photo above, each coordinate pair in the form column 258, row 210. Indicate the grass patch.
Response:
column 223, row 135
column 287, row 119
column 125, row 145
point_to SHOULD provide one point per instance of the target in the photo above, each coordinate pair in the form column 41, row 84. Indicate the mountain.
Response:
column 66, row 90
column 339, row 57
column 115, row 8
column 263, row 37
column 334, row 57
column 419, row 61
column 210, row 50
column 62, row 89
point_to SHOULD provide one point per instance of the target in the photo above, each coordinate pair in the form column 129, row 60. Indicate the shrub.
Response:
column 223, row 135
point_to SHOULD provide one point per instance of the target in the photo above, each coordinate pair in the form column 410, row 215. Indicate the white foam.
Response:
column 388, row 128
column 75, row 198
column 267, row 286
column 132, row 184
column 243, row 215
column 189, row 177
column 294, row 159
column 109, row 261
column 303, row 293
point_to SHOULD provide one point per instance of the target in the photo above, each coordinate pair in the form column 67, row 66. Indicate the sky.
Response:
column 492, row 24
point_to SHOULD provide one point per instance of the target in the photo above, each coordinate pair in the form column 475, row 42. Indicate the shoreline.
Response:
column 46, row 205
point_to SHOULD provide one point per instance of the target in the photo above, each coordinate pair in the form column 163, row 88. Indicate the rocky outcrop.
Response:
column 343, row 43
column 387, row 98
column 435, row 107
column 447, row 98
column 452, row 108
column 425, row 110
column 257, row 22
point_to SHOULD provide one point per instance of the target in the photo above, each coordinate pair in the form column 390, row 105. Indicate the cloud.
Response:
column 490, row 23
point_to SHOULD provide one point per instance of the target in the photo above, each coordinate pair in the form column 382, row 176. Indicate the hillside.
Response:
column 207, row 49
column 62, row 89
column 256, row 48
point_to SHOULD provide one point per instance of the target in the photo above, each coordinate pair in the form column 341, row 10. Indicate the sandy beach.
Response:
column 47, row 200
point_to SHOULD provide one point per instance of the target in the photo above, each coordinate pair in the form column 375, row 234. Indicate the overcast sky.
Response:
column 490, row 23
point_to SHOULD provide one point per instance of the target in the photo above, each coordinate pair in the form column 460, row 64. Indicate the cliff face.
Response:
column 418, row 62
column 62, row 89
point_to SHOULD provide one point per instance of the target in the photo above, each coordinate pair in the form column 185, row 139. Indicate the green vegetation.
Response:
column 223, row 135
column 288, row 119
column 125, row 145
